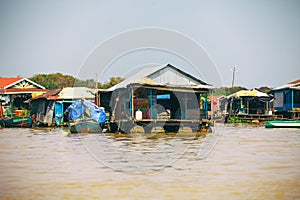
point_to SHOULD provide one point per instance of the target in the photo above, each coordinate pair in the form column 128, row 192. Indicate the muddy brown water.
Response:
column 233, row 162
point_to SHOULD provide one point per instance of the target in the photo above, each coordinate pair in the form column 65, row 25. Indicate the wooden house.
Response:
column 218, row 106
column 163, row 97
column 49, row 108
column 249, row 105
column 15, row 92
column 42, row 108
column 287, row 99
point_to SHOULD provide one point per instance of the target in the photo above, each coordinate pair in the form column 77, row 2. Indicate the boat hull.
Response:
column 84, row 126
column 283, row 124
column 17, row 122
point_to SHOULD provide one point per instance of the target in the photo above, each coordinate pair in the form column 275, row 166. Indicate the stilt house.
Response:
column 49, row 108
column 163, row 97
column 16, row 91
column 287, row 99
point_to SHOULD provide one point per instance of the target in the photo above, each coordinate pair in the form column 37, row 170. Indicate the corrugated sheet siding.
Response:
column 171, row 76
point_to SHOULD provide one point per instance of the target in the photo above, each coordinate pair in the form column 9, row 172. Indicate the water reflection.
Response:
column 139, row 153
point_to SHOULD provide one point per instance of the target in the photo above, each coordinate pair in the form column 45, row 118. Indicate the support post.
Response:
column 292, row 99
column 132, row 103
column 185, row 106
column 206, row 106
column 248, row 107
column 151, row 103
column 11, row 99
column 124, row 103
column 233, row 75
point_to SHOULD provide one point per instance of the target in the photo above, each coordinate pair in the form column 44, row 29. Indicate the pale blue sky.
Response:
column 260, row 37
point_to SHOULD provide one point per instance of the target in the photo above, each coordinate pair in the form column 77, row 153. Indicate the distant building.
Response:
column 249, row 102
column 218, row 106
column 250, row 105
column 287, row 99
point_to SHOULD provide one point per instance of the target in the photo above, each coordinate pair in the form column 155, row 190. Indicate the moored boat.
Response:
column 85, row 126
column 283, row 124
column 16, row 122
column 85, row 117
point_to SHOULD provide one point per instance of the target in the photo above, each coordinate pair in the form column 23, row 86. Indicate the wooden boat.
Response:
column 283, row 124
column 85, row 117
column 84, row 126
column 16, row 122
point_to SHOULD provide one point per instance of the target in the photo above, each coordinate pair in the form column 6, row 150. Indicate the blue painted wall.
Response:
column 290, row 99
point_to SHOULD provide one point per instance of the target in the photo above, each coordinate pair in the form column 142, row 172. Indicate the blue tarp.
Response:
column 84, row 108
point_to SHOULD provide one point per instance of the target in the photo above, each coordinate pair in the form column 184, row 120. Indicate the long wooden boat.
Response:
column 84, row 126
column 16, row 122
column 283, row 124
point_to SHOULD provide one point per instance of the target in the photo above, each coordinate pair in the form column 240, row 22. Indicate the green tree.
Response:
column 227, row 90
column 112, row 81
column 58, row 80
column 53, row 81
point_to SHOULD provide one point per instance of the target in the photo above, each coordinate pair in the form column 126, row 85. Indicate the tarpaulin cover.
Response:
column 84, row 108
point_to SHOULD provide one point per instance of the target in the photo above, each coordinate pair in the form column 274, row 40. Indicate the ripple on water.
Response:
column 247, row 162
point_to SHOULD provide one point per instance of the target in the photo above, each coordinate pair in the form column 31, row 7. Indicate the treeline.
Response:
column 58, row 80
column 226, row 90
column 230, row 90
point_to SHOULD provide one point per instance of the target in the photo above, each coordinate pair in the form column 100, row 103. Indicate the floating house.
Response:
column 15, row 91
column 249, row 105
column 49, row 108
column 162, row 98
column 287, row 99
column 42, row 108
column 218, row 106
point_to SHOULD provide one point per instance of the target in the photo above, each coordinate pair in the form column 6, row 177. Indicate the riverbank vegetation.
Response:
column 230, row 90
column 58, row 80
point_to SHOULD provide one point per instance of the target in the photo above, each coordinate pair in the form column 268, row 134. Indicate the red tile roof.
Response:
column 295, row 82
column 14, row 86
column 8, row 81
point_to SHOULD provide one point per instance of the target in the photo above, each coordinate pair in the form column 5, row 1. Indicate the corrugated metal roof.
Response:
column 76, row 93
column 154, row 77
column 135, row 77
column 52, row 94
